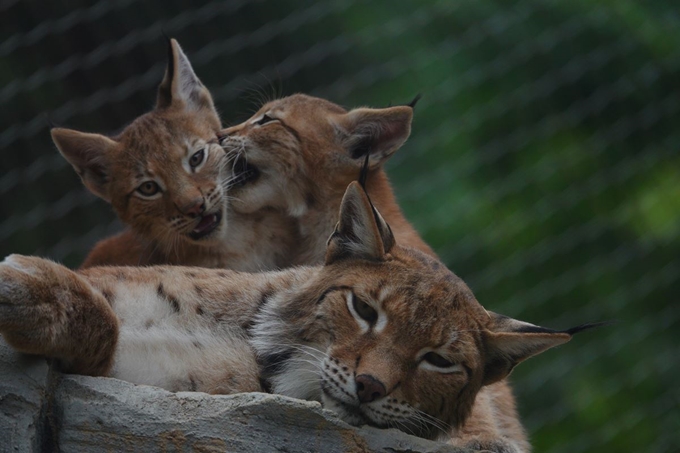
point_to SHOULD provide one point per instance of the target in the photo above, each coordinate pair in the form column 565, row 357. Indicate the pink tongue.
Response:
column 205, row 223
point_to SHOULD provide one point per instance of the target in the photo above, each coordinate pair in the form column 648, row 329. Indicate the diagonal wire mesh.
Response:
column 543, row 164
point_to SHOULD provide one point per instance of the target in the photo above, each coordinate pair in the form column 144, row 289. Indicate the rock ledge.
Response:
column 41, row 410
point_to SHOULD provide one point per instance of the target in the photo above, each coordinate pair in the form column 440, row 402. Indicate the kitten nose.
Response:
column 369, row 388
column 194, row 208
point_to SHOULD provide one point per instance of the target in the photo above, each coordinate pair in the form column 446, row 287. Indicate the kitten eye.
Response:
column 149, row 188
column 264, row 120
column 364, row 310
column 196, row 159
column 435, row 359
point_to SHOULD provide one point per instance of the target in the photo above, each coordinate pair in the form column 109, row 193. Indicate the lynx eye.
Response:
column 435, row 359
column 149, row 188
column 196, row 159
column 365, row 311
column 264, row 120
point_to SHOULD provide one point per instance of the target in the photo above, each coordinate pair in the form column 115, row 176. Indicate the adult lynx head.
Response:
column 387, row 335
column 163, row 174
column 299, row 153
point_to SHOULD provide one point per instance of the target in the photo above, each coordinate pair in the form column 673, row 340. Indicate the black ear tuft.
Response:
column 384, row 227
column 415, row 100
column 363, row 174
column 588, row 326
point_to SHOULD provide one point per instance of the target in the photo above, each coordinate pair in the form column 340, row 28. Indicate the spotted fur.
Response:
column 174, row 149
column 381, row 334
column 298, row 154
column 274, row 195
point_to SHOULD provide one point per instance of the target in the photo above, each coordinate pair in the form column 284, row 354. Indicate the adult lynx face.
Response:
column 388, row 336
column 164, row 174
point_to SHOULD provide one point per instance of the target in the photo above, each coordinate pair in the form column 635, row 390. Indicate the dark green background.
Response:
column 543, row 165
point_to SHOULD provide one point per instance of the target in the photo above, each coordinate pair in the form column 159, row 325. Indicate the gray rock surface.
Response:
column 23, row 384
column 42, row 410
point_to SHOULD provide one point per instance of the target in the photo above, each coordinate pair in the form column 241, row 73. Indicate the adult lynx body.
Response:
column 381, row 334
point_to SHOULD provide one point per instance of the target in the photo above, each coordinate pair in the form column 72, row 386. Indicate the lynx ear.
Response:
column 89, row 155
column 180, row 86
column 361, row 232
column 377, row 132
column 509, row 342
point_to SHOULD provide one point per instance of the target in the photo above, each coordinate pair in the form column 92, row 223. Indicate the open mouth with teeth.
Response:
column 206, row 225
column 244, row 172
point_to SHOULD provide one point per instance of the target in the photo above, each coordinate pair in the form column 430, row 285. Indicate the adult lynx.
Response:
column 381, row 334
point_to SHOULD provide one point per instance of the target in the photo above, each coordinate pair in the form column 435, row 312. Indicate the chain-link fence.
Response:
column 543, row 165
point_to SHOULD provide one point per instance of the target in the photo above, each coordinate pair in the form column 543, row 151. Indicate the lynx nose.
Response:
column 369, row 388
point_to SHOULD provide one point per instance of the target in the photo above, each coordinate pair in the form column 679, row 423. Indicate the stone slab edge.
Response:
column 41, row 410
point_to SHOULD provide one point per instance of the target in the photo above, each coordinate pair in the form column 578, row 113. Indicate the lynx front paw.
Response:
column 19, row 282
column 49, row 310
column 19, row 262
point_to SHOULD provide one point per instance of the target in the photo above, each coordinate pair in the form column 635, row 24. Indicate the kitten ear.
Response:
column 509, row 342
column 361, row 232
column 180, row 86
column 89, row 156
column 377, row 132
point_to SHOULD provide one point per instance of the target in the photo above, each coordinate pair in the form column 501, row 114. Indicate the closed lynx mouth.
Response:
column 349, row 413
column 207, row 224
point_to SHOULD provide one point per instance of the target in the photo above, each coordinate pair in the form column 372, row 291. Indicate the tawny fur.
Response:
column 157, row 147
column 305, row 158
column 307, row 155
column 374, row 309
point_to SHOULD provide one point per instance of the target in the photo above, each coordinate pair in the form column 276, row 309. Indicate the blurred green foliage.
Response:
column 543, row 165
